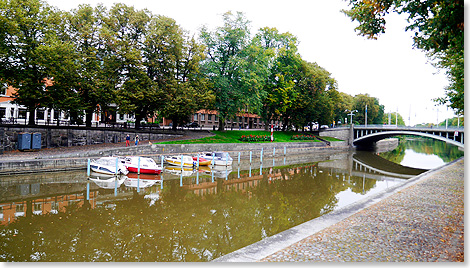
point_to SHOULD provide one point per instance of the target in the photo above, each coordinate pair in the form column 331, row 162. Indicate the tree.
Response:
column 439, row 30
column 26, row 26
column 393, row 119
column 374, row 109
column 235, row 66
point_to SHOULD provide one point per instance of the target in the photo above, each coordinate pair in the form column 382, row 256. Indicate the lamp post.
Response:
column 351, row 114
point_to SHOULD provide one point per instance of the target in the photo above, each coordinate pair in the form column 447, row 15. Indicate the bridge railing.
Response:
column 409, row 127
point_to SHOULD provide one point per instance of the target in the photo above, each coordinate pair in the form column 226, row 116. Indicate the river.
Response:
column 197, row 215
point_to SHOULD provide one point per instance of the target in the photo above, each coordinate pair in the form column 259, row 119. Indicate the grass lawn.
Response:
column 232, row 136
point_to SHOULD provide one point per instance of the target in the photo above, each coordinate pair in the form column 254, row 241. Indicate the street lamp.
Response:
column 351, row 113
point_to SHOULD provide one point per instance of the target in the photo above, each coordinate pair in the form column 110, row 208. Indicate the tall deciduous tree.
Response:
column 375, row 111
column 235, row 65
column 25, row 26
column 439, row 30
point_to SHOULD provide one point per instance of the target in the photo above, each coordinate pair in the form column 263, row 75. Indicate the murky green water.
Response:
column 195, row 216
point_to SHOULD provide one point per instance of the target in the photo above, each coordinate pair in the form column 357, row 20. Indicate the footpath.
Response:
column 419, row 221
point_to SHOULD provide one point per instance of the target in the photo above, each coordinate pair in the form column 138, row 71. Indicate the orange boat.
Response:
column 202, row 161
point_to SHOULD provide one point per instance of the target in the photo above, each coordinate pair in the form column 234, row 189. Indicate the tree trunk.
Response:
column 32, row 116
column 221, row 124
column 138, row 118
column 88, row 117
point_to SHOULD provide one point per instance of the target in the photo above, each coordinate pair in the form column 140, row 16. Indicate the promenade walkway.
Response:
column 422, row 221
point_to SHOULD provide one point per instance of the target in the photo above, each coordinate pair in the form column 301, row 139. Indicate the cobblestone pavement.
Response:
column 421, row 223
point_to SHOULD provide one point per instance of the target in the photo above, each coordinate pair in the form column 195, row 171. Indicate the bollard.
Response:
column 250, row 156
column 213, row 160
column 88, row 168
column 261, row 156
column 115, row 186
column 117, row 164
column 138, row 167
column 181, row 164
column 197, row 162
column 284, row 150
column 239, row 158
column 274, row 151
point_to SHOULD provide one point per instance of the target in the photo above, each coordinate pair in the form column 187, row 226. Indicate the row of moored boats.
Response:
column 146, row 165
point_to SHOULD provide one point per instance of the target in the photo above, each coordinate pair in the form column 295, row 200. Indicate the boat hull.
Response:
column 144, row 170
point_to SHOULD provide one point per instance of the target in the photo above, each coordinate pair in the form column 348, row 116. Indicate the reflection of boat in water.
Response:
column 147, row 165
column 221, row 171
column 140, row 183
column 218, row 158
column 176, row 160
column 107, row 165
column 177, row 170
column 108, row 182
column 144, row 176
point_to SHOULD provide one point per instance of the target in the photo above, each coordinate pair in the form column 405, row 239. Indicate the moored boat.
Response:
column 202, row 161
column 177, row 159
column 218, row 158
column 147, row 165
column 109, row 166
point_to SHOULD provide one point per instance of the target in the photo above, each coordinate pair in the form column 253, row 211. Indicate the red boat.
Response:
column 202, row 161
column 147, row 165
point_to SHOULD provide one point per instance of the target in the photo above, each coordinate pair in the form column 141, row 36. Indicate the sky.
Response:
column 387, row 68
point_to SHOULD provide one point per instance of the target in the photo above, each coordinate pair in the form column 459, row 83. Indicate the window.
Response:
column 216, row 119
column 56, row 114
column 3, row 89
column 40, row 113
column 195, row 117
column 209, row 117
column 202, row 117
column 22, row 113
column 3, row 112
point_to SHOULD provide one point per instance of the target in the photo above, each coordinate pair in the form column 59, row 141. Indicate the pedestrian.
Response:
column 128, row 140
column 136, row 139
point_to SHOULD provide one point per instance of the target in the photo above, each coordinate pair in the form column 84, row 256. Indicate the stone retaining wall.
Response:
column 79, row 160
column 52, row 136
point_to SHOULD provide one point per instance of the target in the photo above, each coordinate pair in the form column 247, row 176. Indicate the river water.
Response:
column 194, row 215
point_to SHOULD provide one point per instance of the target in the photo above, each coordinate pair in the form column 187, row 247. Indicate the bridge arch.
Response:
column 366, row 141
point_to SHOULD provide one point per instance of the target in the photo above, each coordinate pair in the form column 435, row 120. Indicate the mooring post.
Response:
column 88, row 168
column 138, row 166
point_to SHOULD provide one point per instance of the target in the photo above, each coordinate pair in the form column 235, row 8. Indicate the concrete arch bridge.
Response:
column 365, row 136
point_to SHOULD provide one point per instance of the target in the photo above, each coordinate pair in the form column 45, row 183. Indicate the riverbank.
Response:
column 421, row 220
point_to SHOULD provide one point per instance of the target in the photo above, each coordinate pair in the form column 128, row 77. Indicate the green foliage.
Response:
column 375, row 111
column 439, row 30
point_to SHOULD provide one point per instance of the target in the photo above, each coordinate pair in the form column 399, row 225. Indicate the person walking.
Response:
column 136, row 139
column 128, row 140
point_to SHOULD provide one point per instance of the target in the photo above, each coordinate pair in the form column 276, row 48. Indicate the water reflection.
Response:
column 180, row 215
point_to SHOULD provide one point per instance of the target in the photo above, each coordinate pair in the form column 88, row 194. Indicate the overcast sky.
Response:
column 388, row 68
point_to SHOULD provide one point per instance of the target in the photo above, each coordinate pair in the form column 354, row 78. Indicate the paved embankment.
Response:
column 419, row 221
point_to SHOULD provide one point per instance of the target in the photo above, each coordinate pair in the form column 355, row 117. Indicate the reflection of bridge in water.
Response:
column 373, row 164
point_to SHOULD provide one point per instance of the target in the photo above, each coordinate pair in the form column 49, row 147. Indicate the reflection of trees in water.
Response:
column 426, row 146
column 181, row 225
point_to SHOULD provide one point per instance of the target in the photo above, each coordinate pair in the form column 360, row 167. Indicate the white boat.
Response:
column 176, row 160
column 218, row 158
column 107, row 165
column 147, row 165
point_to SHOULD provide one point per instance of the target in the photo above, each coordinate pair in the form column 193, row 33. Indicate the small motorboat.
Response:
column 109, row 166
column 202, row 161
column 177, row 159
column 218, row 158
column 147, row 165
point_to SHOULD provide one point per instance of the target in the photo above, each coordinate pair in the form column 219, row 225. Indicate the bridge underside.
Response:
column 367, row 142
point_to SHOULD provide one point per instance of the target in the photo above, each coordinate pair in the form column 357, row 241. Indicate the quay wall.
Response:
column 75, row 161
column 63, row 136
